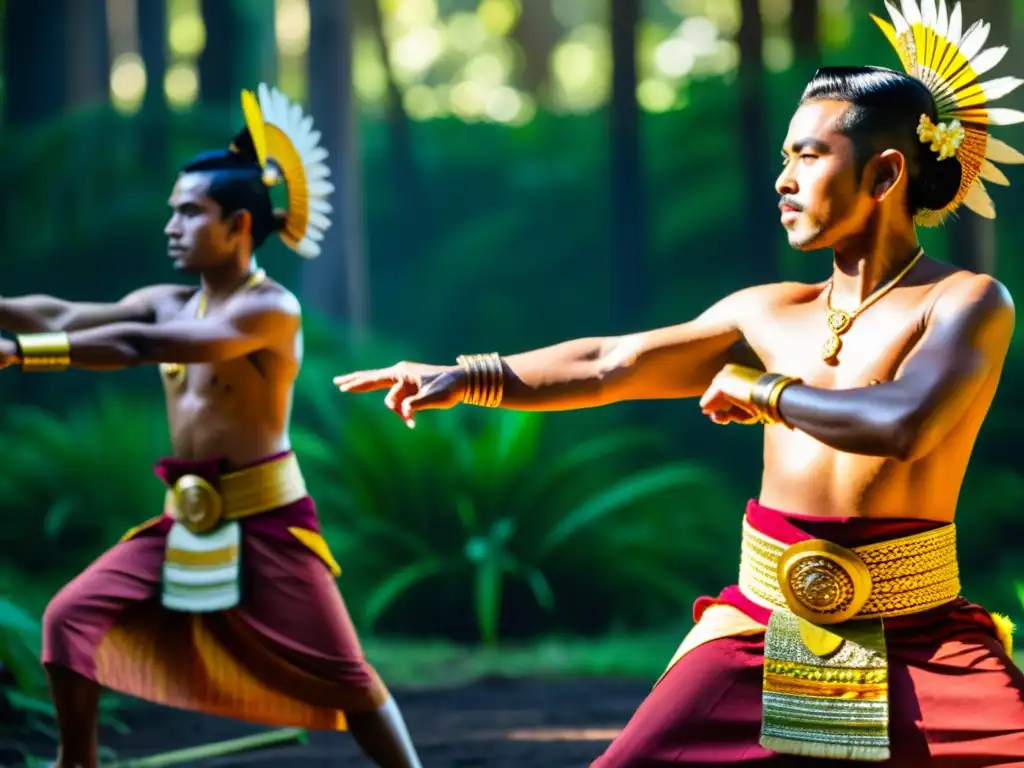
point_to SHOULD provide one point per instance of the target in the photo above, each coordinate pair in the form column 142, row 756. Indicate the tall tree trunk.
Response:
column 218, row 81
column 153, row 48
column 803, row 33
column 972, row 239
column 537, row 33
column 35, row 61
column 336, row 284
column 627, row 193
column 754, row 137
column 88, row 52
column 404, row 170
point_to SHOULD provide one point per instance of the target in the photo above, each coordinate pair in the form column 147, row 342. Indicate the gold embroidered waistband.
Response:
column 200, row 507
column 825, row 583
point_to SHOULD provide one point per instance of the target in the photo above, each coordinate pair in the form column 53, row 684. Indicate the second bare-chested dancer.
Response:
column 226, row 603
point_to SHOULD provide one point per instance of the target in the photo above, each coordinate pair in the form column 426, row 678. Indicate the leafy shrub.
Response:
column 27, row 718
column 478, row 524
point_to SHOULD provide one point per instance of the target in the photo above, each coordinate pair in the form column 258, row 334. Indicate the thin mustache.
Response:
column 788, row 201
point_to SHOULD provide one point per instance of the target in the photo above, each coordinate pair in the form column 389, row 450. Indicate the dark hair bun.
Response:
column 937, row 183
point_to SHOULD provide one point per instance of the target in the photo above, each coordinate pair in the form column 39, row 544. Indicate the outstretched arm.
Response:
column 965, row 340
column 672, row 362
column 251, row 323
column 47, row 314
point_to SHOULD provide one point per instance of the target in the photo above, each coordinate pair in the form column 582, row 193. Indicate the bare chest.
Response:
column 868, row 348
column 216, row 380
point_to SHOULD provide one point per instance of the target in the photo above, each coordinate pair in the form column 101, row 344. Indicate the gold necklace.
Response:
column 839, row 322
column 175, row 373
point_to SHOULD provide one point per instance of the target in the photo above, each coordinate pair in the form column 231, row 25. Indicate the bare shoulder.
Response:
column 267, row 306
column 972, row 297
column 753, row 302
column 970, row 311
column 273, row 296
column 152, row 294
column 160, row 301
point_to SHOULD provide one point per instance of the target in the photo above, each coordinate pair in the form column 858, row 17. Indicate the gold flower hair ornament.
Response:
column 934, row 48
column 943, row 139
column 289, row 151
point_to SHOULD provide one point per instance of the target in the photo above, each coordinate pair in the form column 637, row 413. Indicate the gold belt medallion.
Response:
column 823, row 582
column 197, row 504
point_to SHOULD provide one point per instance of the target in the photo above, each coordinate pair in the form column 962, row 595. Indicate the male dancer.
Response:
column 874, row 386
column 226, row 603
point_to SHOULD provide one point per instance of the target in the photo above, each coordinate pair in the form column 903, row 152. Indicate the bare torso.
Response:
column 239, row 409
column 805, row 476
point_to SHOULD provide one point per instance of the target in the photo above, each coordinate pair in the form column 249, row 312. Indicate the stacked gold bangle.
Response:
column 44, row 352
column 485, row 379
column 765, row 393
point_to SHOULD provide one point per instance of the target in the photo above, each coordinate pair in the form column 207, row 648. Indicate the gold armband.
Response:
column 485, row 379
column 765, row 393
column 44, row 352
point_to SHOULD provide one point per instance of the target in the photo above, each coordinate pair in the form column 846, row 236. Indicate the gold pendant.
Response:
column 838, row 321
column 830, row 349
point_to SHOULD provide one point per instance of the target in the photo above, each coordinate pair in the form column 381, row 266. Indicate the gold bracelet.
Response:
column 493, row 380
column 485, row 379
column 760, row 391
column 775, row 394
column 44, row 352
column 498, row 393
column 765, row 395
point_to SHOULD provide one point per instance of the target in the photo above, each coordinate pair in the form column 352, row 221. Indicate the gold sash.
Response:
column 825, row 691
column 200, row 507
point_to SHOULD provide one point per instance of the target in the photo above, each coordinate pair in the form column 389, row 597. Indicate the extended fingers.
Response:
column 366, row 381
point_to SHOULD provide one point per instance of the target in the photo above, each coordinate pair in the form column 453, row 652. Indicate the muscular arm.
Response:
column 672, row 362
column 966, row 339
column 41, row 314
column 253, row 322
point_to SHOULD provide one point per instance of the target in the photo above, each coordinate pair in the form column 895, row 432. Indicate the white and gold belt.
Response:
column 202, row 559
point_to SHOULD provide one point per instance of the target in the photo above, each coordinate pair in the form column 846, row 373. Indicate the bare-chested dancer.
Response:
column 226, row 603
column 873, row 388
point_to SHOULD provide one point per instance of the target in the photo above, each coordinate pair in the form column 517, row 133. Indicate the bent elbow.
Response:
column 910, row 436
column 131, row 351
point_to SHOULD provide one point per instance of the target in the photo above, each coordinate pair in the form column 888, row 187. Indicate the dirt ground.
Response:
column 494, row 722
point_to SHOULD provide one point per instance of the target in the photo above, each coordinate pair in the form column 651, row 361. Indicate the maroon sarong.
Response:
column 956, row 699
column 288, row 655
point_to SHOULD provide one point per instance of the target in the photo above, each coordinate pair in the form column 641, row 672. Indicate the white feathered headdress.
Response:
column 935, row 49
column 289, row 150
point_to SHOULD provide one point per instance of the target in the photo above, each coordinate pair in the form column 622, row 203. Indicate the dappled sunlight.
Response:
column 128, row 82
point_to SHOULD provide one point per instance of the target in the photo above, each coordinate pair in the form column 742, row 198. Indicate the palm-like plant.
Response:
column 26, row 714
column 78, row 480
column 472, row 507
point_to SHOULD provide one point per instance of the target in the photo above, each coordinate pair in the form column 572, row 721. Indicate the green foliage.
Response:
column 78, row 479
column 419, row 663
column 480, row 524
column 25, row 709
